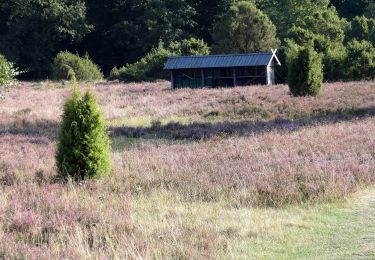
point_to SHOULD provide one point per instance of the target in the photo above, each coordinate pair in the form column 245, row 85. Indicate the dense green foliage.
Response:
column 118, row 32
column 7, row 74
column 151, row 66
column 189, row 47
column 244, row 28
column 362, row 28
column 83, row 144
column 305, row 71
column 327, row 31
column 83, row 67
column 288, row 13
column 148, row 68
column 360, row 62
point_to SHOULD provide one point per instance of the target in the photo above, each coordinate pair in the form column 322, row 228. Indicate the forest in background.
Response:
column 114, row 33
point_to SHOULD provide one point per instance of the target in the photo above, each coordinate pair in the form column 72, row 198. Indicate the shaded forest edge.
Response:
column 135, row 38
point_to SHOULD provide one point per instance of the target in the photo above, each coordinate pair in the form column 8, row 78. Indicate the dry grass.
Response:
column 303, row 150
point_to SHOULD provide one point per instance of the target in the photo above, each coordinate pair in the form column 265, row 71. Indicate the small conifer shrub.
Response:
column 83, row 144
column 305, row 72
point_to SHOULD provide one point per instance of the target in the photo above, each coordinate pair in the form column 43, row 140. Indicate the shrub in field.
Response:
column 151, row 66
column 305, row 71
column 7, row 74
column 360, row 62
column 83, row 144
column 83, row 67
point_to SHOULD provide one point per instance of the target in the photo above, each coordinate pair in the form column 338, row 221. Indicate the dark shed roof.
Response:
column 220, row 61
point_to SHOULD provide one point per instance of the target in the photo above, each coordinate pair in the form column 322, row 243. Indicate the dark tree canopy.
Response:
column 32, row 31
column 351, row 8
column 207, row 12
column 120, row 32
column 362, row 28
column 127, row 30
column 370, row 10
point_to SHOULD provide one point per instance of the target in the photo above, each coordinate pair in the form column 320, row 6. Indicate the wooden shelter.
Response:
column 223, row 70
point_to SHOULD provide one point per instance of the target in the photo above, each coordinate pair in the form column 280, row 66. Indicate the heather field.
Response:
column 242, row 173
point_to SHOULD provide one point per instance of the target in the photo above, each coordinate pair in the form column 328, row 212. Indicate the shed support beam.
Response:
column 202, row 75
column 234, row 77
column 172, row 79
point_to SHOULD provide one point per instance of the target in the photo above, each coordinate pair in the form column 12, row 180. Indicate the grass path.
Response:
column 355, row 237
column 343, row 230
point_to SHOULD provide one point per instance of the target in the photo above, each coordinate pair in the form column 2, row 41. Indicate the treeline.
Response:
column 132, row 37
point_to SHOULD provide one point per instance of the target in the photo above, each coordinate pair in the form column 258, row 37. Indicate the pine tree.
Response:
column 83, row 144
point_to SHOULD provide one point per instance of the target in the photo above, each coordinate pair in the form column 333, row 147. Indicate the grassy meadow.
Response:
column 240, row 173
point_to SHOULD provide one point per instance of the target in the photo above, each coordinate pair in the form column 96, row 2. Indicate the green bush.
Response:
column 333, row 62
column 83, row 67
column 148, row 68
column 360, row 62
column 83, row 144
column 305, row 71
column 151, row 67
column 7, row 74
column 189, row 47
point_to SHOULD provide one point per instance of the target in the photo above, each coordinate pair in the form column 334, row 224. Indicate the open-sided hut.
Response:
column 223, row 70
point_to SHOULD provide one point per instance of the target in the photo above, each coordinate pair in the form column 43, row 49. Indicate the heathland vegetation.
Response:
column 253, row 172
column 214, row 173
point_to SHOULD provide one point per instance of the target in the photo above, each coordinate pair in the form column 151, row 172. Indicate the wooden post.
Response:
column 172, row 79
column 202, row 75
column 234, row 77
